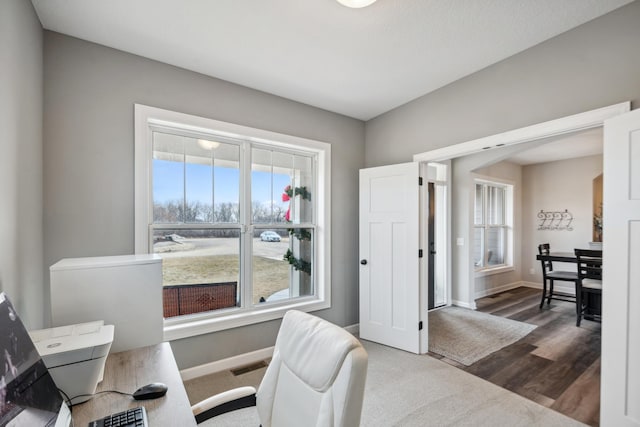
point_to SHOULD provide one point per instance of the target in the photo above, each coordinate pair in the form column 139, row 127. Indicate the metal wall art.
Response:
column 555, row 220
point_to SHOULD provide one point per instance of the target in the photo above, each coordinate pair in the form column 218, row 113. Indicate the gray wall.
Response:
column 89, row 95
column 591, row 66
column 548, row 186
column 594, row 65
column 463, row 290
column 21, row 159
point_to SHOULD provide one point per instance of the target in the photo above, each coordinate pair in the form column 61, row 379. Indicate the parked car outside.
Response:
column 269, row 236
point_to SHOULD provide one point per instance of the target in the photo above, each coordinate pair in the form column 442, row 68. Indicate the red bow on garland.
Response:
column 286, row 196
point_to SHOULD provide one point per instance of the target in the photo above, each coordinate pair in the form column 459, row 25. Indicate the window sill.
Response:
column 495, row 270
column 199, row 325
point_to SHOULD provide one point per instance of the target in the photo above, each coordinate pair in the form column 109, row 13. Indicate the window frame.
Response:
column 507, row 225
column 149, row 119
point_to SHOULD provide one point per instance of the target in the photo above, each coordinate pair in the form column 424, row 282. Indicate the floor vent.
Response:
column 248, row 368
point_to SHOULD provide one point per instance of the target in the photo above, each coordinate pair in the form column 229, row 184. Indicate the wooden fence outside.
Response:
column 179, row 300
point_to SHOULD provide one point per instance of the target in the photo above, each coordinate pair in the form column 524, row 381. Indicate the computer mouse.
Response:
column 150, row 391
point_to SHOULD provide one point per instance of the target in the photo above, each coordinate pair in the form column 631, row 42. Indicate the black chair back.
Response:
column 589, row 284
column 549, row 276
column 545, row 249
column 589, row 264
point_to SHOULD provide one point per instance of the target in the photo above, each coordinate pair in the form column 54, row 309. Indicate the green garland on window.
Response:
column 298, row 191
column 300, row 233
column 298, row 264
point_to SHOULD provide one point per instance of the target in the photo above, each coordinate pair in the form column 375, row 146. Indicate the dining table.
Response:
column 558, row 257
column 594, row 302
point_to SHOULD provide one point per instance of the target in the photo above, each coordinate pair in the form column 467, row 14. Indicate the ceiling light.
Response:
column 208, row 145
column 356, row 3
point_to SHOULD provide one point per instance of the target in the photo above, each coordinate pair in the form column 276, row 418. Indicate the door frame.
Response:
column 553, row 128
column 443, row 215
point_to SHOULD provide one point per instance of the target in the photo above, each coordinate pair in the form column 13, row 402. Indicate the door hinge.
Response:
column 419, row 180
column 420, row 253
column 420, row 325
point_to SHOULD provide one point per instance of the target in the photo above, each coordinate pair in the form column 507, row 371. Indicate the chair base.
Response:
column 557, row 297
column 592, row 317
column 551, row 295
column 590, row 304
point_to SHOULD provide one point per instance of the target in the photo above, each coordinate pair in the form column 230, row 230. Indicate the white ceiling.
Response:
column 356, row 62
column 579, row 144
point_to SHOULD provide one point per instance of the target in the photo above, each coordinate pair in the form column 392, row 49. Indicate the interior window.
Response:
column 492, row 224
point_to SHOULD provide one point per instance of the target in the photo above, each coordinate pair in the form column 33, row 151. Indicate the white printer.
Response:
column 75, row 356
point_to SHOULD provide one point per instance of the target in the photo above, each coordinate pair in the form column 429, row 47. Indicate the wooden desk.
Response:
column 129, row 370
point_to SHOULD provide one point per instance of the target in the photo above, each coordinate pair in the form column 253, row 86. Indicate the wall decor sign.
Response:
column 555, row 220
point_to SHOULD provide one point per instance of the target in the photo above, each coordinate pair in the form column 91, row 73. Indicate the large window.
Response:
column 493, row 219
column 239, row 217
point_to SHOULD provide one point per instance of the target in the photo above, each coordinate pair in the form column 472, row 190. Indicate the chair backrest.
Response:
column 547, row 266
column 589, row 264
column 316, row 376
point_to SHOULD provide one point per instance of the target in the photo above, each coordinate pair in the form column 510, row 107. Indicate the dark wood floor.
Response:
column 557, row 365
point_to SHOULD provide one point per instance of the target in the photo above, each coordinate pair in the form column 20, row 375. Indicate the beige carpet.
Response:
column 405, row 389
column 467, row 336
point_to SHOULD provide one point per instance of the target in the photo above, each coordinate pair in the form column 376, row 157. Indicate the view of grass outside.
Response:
column 270, row 276
column 197, row 192
column 216, row 260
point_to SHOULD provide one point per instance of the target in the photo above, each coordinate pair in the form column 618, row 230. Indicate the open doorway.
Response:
column 462, row 278
column 552, row 202
column 464, row 275
column 620, row 155
column 558, row 364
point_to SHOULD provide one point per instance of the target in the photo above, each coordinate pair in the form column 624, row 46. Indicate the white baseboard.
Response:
column 353, row 329
column 532, row 285
column 471, row 306
column 563, row 287
column 498, row 289
column 240, row 360
column 224, row 364
column 558, row 286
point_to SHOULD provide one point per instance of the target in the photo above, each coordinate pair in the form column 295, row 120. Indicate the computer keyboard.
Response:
column 136, row 417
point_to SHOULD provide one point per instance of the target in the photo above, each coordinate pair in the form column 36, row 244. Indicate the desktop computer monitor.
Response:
column 28, row 395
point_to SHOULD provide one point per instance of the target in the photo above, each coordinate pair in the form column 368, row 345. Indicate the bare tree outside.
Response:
column 176, row 211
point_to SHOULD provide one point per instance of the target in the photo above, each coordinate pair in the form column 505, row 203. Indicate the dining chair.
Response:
column 589, row 284
column 550, row 275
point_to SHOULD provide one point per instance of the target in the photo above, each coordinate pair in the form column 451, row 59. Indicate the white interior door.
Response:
column 389, row 256
column 620, row 396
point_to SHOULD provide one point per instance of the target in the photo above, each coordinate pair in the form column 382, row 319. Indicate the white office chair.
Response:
column 316, row 378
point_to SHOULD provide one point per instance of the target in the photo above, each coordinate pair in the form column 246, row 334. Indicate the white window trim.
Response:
column 490, row 271
column 202, row 323
column 509, row 222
